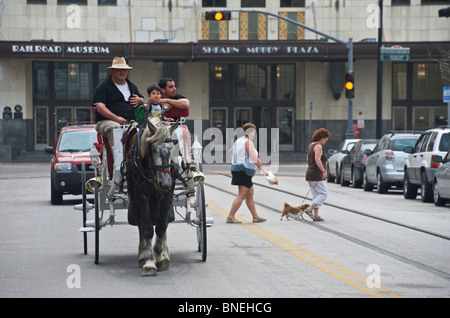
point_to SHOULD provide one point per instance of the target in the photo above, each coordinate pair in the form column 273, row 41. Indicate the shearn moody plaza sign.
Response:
column 238, row 50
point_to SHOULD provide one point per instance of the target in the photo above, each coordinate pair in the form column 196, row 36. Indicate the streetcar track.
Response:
column 442, row 236
column 311, row 258
column 351, row 238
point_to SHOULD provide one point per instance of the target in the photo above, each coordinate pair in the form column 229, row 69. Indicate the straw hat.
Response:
column 119, row 63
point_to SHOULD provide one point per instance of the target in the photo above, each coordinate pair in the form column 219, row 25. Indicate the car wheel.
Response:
column 438, row 201
column 409, row 190
column 56, row 198
column 344, row 183
column 426, row 189
column 338, row 175
column 382, row 187
column 366, row 185
column 329, row 177
column 356, row 183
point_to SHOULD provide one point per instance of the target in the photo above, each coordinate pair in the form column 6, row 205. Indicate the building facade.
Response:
column 253, row 67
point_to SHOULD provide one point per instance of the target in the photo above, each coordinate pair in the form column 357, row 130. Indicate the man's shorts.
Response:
column 241, row 178
column 105, row 128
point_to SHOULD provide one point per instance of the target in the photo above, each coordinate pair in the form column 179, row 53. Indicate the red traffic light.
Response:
column 218, row 15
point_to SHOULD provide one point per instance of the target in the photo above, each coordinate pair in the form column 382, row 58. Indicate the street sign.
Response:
column 394, row 53
column 394, row 57
column 394, row 50
column 446, row 93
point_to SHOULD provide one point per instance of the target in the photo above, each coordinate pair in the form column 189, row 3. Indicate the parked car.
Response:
column 352, row 166
column 72, row 147
column 335, row 159
column 384, row 165
column 421, row 164
column 441, row 182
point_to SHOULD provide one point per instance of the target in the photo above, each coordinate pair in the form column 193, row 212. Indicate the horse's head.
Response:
column 159, row 145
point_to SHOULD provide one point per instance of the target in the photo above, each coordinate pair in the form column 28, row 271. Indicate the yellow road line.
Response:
column 250, row 227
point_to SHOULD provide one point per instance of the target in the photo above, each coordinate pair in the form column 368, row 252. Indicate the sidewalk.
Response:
column 30, row 157
column 292, row 157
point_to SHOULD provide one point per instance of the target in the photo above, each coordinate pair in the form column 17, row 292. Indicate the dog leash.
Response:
column 313, row 186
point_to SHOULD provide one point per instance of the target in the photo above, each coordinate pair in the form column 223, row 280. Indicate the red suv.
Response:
column 72, row 147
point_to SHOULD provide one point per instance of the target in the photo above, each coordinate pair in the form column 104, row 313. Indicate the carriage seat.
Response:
column 184, row 142
column 110, row 158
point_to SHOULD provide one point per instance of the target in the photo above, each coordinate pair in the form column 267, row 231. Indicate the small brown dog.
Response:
column 289, row 209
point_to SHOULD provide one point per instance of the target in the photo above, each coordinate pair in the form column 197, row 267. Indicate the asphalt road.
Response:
column 350, row 255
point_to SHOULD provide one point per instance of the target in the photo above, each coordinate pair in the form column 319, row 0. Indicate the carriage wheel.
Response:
column 97, row 222
column 84, row 202
column 201, row 214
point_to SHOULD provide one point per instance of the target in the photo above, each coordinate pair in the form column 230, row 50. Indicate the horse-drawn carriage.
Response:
column 151, row 172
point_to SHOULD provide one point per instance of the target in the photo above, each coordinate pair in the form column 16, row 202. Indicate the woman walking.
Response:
column 245, row 161
column 316, row 174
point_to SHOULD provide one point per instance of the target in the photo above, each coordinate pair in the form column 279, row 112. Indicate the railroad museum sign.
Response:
column 60, row 50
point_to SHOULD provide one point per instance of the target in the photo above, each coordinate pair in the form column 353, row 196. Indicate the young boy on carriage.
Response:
column 153, row 108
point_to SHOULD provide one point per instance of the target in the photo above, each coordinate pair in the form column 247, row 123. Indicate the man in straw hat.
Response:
column 115, row 99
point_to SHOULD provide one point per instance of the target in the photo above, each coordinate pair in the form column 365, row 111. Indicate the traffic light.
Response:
column 218, row 15
column 349, row 85
column 444, row 12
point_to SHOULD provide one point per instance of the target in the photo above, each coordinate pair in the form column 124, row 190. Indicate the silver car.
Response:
column 335, row 159
column 384, row 166
column 441, row 181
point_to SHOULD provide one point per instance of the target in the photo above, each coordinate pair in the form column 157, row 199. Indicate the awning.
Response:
column 214, row 51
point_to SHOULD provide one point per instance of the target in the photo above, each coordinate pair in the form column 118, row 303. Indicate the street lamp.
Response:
column 197, row 150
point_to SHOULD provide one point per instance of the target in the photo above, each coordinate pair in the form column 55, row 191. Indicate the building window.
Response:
column 103, row 73
column 214, row 30
column 290, row 31
column 257, row 82
column 252, row 82
column 435, row 2
column 401, row 2
column 214, row 3
column 417, row 96
column 107, row 2
column 253, row 3
column 253, row 26
column 73, row 81
column 286, row 82
column 36, row 1
column 40, row 80
column 292, row 3
column 427, row 83
column 399, row 81
column 219, row 79
column 79, row 2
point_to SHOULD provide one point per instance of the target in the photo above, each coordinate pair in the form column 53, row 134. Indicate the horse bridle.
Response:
column 149, row 174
